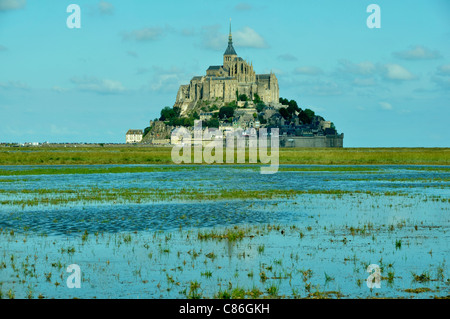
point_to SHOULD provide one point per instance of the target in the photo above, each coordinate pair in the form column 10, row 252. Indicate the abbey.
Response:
column 225, row 82
column 232, row 98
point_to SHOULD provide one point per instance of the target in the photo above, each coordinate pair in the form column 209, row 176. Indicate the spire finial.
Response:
column 230, row 38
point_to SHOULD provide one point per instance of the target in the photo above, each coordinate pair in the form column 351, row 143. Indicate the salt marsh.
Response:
column 167, row 231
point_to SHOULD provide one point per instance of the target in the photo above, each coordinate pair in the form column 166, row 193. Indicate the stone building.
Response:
column 133, row 136
column 225, row 82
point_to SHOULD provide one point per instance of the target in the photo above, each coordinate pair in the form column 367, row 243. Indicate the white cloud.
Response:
column 101, row 86
column 243, row 7
column 6, row 5
column 133, row 54
column 287, row 57
column 418, row 52
column 167, row 80
column 188, row 32
column 364, row 68
column 444, row 70
column 142, row 70
column 317, row 88
column 362, row 82
column 385, row 105
column 59, row 89
column 244, row 38
column 397, row 73
column 14, row 85
column 105, row 7
column 144, row 34
column 277, row 71
column 249, row 38
column 308, row 70
column 212, row 38
column 442, row 83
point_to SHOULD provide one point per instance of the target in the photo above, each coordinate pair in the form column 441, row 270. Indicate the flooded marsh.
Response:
column 168, row 231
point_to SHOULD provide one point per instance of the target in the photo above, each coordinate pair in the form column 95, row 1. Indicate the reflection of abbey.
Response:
column 224, row 82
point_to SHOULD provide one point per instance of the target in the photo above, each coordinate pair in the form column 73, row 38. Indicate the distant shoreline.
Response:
column 95, row 154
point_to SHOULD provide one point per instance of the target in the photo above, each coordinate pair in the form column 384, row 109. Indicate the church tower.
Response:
column 229, row 54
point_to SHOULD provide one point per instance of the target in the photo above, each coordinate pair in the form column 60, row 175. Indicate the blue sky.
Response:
column 386, row 87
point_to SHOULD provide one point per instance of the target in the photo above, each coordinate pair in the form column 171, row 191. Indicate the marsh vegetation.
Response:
column 167, row 231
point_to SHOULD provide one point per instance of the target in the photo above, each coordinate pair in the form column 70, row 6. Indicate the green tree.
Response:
column 195, row 115
column 226, row 112
column 284, row 113
column 306, row 116
column 232, row 104
column 293, row 107
column 262, row 120
column 283, row 101
column 213, row 122
column 310, row 114
column 177, row 111
column 166, row 113
column 256, row 98
column 242, row 97
column 260, row 107
column 146, row 130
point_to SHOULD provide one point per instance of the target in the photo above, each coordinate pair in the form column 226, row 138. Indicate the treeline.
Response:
column 306, row 116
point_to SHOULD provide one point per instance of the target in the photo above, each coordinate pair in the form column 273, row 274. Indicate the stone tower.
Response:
column 230, row 53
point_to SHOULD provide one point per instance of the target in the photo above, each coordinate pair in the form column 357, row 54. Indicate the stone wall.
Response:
column 316, row 141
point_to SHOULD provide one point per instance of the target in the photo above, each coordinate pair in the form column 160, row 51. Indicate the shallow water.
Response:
column 297, row 246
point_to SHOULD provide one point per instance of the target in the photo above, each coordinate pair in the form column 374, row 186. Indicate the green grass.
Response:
column 162, row 155
column 133, row 195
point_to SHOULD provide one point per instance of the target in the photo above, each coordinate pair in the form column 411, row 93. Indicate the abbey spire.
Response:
column 230, row 53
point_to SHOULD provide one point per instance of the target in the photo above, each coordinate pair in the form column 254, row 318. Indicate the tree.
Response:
column 303, row 117
column 232, row 104
column 188, row 121
column 262, row 120
column 306, row 116
column 291, row 109
column 166, row 114
column 177, row 111
column 283, row 101
column 226, row 112
column 260, row 107
column 213, row 122
column 256, row 98
column 284, row 113
column 146, row 130
column 310, row 114
column 242, row 97
column 293, row 104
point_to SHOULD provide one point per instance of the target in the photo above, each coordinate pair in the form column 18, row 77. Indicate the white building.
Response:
column 134, row 136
